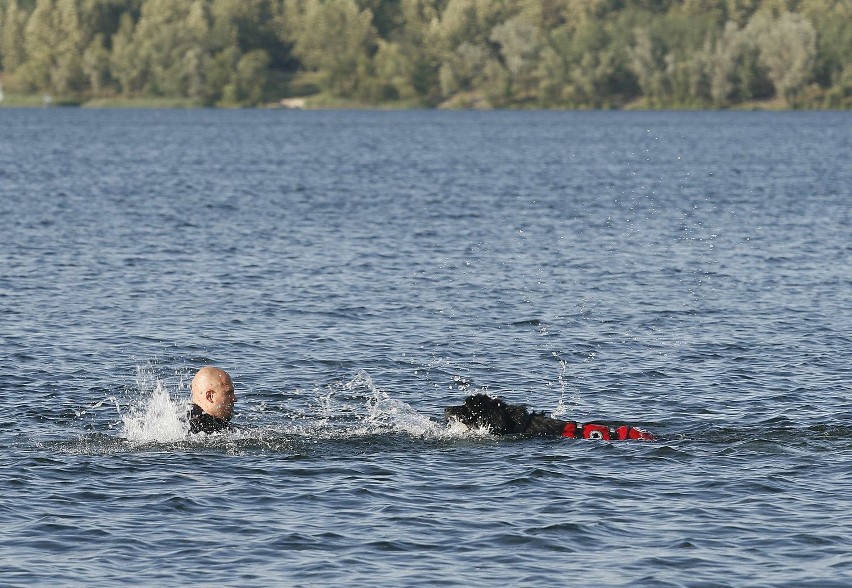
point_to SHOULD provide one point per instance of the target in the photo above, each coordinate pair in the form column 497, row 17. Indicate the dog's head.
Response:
column 494, row 414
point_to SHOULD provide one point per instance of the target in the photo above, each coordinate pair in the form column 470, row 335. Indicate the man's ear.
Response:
column 209, row 395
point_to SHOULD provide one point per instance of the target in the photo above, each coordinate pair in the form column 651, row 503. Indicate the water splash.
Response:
column 110, row 399
column 364, row 409
column 561, row 407
column 157, row 417
column 388, row 414
column 385, row 414
column 344, row 409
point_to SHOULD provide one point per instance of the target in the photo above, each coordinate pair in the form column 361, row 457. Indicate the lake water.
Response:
column 356, row 272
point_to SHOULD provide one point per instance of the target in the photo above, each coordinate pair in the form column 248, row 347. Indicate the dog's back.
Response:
column 544, row 426
column 501, row 418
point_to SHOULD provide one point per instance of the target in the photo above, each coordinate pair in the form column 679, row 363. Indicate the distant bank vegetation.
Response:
column 448, row 53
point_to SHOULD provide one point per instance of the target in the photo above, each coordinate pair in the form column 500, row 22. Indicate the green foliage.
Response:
column 247, row 83
column 336, row 38
column 13, row 20
column 455, row 53
column 787, row 49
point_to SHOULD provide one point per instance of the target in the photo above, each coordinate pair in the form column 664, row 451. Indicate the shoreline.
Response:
column 324, row 102
column 176, row 105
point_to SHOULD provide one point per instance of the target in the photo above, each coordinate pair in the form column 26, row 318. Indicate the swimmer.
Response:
column 213, row 401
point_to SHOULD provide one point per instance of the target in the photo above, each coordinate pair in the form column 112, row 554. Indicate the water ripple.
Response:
column 357, row 272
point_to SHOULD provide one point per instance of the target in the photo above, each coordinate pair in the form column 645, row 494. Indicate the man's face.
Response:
column 220, row 398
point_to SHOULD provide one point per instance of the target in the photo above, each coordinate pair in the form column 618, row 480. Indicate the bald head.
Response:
column 213, row 391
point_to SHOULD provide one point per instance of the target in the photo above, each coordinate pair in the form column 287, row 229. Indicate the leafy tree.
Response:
column 578, row 53
column 648, row 63
column 95, row 64
column 787, row 46
column 832, row 20
column 585, row 63
column 520, row 44
column 12, row 41
column 730, row 48
column 408, row 62
column 335, row 38
column 464, row 30
column 54, row 42
column 104, row 17
column 248, row 82
column 463, row 69
column 170, row 46
column 465, row 21
column 249, row 25
column 739, row 11
column 553, row 67
column 219, row 72
column 127, row 64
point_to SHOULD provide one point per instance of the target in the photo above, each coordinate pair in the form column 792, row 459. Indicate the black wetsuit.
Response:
column 201, row 422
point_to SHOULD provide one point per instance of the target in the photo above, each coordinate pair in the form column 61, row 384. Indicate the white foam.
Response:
column 157, row 418
column 385, row 414
column 458, row 430
column 562, row 407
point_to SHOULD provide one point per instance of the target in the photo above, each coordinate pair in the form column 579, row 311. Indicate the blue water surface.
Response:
column 356, row 272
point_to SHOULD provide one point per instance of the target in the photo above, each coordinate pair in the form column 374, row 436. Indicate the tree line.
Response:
column 451, row 53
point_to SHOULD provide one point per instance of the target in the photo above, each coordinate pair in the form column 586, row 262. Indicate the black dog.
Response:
column 502, row 418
